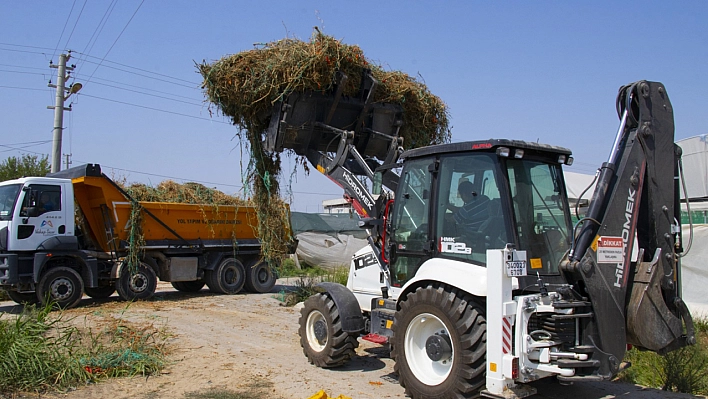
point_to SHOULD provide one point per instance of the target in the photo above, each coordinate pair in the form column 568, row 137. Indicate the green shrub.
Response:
column 684, row 370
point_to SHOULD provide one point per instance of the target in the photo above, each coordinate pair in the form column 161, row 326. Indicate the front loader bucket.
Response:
column 315, row 121
column 650, row 323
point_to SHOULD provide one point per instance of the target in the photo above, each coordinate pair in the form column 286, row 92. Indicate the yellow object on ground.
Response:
column 323, row 395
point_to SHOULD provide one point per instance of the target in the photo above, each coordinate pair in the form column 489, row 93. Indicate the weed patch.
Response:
column 41, row 350
column 684, row 370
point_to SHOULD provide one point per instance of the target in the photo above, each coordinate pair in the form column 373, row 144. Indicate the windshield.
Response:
column 471, row 216
column 8, row 197
column 541, row 213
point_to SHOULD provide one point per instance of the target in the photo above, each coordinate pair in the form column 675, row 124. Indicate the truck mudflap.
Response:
column 347, row 305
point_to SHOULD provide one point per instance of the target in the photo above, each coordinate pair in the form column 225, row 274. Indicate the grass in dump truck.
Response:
column 118, row 243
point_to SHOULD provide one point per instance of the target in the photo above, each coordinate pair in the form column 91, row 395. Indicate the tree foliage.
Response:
column 27, row 165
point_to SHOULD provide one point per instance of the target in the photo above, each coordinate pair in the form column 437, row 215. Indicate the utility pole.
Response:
column 67, row 161
column 59, row 106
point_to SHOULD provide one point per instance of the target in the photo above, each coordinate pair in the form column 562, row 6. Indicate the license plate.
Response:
column 516, row 268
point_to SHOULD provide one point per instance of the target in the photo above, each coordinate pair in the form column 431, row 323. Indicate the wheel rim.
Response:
column 138, row 282
column 315, row 321
column 61, row 288
column 427, row 371
column 262, row 275
column 231, row 275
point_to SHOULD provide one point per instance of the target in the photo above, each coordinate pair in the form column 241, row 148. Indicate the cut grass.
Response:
column 41, row 350
column 308, row 278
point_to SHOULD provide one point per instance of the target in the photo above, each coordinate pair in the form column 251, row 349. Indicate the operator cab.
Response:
column 458, row 200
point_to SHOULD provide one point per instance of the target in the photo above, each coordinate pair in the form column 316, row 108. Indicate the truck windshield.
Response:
column 541, row 213
column 8, row 197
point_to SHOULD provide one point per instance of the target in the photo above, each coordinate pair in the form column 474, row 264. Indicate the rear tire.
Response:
column 321, row 336
column 188, row 286
column 100, row 292
column 23, row 298
column 439, row 343
column 228, row 278
column 62, row 286
column 260, row 278
column 138, row 285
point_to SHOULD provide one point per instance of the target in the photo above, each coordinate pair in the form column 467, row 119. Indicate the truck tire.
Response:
column 228, row 278
column 62, row 286
column 23, row 298
column 100, row 292
column 439, row 343
column 138, row 285
column 188, row 286
column 260, row 278
column 321, row 336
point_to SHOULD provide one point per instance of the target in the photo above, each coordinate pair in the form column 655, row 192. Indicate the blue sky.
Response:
column 543, row 71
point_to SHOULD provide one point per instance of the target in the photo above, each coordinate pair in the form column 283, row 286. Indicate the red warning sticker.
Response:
column 610, row 250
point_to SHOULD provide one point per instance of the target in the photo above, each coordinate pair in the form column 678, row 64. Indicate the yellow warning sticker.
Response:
column 594, row 243
column 536, row 263
column 493, row 367
column 389, row 323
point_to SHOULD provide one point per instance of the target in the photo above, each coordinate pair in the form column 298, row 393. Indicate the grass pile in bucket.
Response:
column 245, row 87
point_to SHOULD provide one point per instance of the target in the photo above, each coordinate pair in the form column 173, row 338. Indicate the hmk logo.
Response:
column 46, row 223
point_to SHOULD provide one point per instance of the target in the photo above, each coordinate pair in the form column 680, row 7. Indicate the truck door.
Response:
column 42, row 215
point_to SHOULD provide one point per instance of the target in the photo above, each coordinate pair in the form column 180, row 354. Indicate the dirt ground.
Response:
column 228, row 342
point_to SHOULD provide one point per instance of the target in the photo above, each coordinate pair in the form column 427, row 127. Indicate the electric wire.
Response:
column 193, row 86
column 155, row 109
column 99, row 28
column 138, row 87
column 116, row 41
column 68, row 17
column 136, row 68
column 147, row 94
column 75, row 24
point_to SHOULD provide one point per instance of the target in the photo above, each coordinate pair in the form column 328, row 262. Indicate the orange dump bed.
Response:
column 106, row 208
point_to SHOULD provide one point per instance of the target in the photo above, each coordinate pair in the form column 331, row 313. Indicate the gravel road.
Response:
column 229, row 341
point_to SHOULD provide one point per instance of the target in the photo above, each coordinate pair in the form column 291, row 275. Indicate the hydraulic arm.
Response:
column 636, row 198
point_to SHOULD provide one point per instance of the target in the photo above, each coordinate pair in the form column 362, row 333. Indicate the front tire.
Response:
column 228, row 278
column 138, row 285
column 62, row 286
column 260, row 278
column 321, row 336
column 439, row 343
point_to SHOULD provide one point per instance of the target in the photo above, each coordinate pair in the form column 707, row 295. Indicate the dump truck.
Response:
column 476, row 275
column 77, row 231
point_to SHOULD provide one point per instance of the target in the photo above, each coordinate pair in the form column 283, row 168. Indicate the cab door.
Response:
column 410, row 243
column 41, row 214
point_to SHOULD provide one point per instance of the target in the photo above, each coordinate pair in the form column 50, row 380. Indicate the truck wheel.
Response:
column 260, row 278
column 188, row 286
column 100, row 292
column 228, row 278
column 23, row 298
column 321, row 335
column 138, row 285
column 439, row 343
column 62, row 286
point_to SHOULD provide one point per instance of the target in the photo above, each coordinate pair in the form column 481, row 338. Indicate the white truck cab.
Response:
column 34, row 210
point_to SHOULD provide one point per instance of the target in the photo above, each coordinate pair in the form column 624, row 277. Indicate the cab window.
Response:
column 40, row 199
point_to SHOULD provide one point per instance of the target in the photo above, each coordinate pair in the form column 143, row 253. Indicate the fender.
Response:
column 347, row 305
column 468, row 277
column 87, row 266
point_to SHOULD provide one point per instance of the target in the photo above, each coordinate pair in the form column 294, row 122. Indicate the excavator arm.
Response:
column 635, row 205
